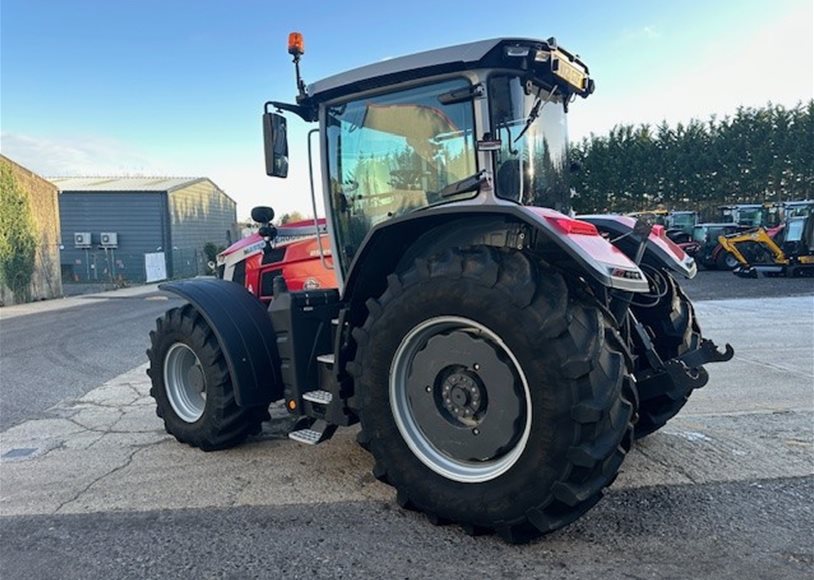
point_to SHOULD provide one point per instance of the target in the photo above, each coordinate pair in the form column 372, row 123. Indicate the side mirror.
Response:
column 275, row 142
column 262, row 214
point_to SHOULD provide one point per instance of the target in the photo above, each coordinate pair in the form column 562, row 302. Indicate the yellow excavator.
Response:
column 790, row 253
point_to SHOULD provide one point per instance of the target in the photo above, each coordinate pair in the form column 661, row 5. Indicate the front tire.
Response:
column 191, row 384
column 489, row 396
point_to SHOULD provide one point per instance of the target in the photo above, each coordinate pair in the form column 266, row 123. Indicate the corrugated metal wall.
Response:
column 199, row 213
column 139, row 219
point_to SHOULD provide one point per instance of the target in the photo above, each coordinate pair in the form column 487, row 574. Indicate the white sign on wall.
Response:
column 155, row 266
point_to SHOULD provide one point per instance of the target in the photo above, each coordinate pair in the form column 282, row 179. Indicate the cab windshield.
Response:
column 392, row 154
column 531, row 166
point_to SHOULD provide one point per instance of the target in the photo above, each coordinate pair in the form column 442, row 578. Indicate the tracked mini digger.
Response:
column 790, row 253
column 501, row 357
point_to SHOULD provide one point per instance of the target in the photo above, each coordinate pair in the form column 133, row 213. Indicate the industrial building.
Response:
column 137, row 229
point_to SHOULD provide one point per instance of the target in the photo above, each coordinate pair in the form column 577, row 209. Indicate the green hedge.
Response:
column 18, row 242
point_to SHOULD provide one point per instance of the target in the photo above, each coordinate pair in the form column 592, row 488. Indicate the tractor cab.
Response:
column 477, row 124
column 752, row 214
column 682, row 221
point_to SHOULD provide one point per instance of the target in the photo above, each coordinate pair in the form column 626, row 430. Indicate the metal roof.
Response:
column 123, row 183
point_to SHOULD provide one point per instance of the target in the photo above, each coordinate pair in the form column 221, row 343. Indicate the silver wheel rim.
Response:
column 415, row 438
column 185, row 382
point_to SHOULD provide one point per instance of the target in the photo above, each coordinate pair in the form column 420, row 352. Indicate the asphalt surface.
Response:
column 757, row 529
column 719, row 285
column 49, row 356
column 91, row 486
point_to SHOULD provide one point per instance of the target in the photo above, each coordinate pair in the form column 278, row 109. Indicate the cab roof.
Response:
column 483, row 53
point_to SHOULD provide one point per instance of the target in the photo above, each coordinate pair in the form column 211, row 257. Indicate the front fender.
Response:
column 660, row 249
column 245, row 335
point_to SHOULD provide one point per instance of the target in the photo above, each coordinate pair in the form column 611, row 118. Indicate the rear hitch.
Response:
column 706, row 353
column 684, row 373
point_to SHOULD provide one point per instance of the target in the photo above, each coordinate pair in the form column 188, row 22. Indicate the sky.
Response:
column 176, row 88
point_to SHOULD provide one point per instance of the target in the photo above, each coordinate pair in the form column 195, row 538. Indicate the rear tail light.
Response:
column 571, row 226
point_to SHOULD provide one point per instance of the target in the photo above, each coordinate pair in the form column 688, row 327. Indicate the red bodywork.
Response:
column 294, row 255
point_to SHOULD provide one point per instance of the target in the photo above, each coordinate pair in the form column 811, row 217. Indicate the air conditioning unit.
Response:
column 109, row 239
column 82, row 240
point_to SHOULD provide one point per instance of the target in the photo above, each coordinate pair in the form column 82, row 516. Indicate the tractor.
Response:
column 290, row 251
column 499, row 355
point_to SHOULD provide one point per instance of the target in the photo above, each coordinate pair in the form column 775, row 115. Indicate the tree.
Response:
column 757, row 155
column 292, row 217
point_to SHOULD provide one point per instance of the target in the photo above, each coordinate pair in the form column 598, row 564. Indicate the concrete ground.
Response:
column 95, row 488
column 59, row 349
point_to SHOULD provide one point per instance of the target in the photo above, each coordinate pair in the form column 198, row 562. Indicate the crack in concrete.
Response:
column 102, row 430
column 119, row 406
column 129, row 460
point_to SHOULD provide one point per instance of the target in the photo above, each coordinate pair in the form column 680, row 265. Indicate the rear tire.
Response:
column 192, row 387
column 568, row 402
column 675, row 331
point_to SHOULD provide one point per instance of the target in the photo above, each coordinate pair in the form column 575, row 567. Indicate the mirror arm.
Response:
column 308, row 114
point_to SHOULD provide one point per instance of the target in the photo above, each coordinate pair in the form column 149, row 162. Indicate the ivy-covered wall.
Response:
column 29, row 236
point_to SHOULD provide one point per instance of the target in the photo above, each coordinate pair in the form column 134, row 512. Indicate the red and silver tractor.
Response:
column 500, row 355
column 291, row 251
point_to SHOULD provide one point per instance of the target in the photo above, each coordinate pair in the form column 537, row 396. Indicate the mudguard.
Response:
column 573, row 240
column 245, row 334
column 660, row 249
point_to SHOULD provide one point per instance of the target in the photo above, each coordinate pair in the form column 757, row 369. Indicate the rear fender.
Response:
column 581, row 248
column 245, row 334
column 660, row 250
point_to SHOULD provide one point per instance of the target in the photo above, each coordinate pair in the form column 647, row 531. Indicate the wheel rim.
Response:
column 185, row 383
column 460, row 399
column 731, row 261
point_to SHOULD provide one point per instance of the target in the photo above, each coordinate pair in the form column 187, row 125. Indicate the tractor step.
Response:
column 317, row 433
column 328, row 359
column 318, row 396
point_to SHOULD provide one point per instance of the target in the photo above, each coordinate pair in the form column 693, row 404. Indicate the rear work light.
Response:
column 571, row 226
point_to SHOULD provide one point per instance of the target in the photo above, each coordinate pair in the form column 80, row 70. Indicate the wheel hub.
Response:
column 195, row 378
column 459, row 399
column 462, row 395
column 185, row 382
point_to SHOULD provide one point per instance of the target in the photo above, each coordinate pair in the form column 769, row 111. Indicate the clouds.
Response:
column 82, row 155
